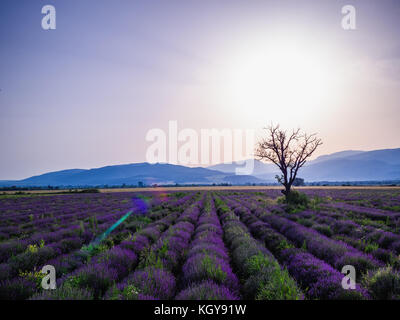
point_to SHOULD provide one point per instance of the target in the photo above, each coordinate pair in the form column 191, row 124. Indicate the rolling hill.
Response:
column 347, row 165
column 377, row 165
column 132, row 174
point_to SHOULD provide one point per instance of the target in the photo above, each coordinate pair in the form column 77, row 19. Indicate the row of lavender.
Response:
column 387, row 199
column 23, row 216
column 260, row 273
column 372, row 251
column 200, row 258
column 353, row 225
column 50, row 221
column 63, row 249
column 316, row 277
column 350, row 226
column 173, row 261
column 156, row 275
column 198, row 245
column 381, row 198
column 189, row 261
column 197, row 251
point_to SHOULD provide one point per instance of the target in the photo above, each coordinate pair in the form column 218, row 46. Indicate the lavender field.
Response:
column 201, row 245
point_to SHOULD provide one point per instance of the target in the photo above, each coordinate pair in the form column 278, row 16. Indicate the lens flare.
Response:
column 105, row 234
column 140, row 206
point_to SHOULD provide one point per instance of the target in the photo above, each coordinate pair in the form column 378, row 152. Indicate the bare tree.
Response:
column 288, row 151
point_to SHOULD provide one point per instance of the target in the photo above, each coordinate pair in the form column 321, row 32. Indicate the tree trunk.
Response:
column 286, row 191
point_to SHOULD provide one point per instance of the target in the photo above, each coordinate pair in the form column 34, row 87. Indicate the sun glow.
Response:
column 280, row 76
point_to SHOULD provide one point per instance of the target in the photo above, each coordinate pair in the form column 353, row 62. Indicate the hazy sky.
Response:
column 85, row 95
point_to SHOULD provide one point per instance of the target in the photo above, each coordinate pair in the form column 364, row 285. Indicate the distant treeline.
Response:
column 95, row 189
column 50, row 188
column 21, row 191
column 391, row 183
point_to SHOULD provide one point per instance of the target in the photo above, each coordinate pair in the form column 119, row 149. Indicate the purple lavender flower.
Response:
column 155, row 282
column 206, row 290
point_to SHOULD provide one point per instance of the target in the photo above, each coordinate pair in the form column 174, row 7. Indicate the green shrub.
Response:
column 279, row 286
column 323, row 229
column 213, row 269
column 65, row 292
column 33, row 257
column 267, row 281
column 383, row 284
column 305, row 222
column 295, row 201
column 371, row 247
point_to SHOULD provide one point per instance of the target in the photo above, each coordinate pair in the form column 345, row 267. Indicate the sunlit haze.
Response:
column 85, row 95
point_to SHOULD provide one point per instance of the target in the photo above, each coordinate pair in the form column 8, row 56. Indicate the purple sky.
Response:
column 85, row 95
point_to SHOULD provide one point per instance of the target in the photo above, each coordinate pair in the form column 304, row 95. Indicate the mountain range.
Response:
column 350, row 165
column 132, row 174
